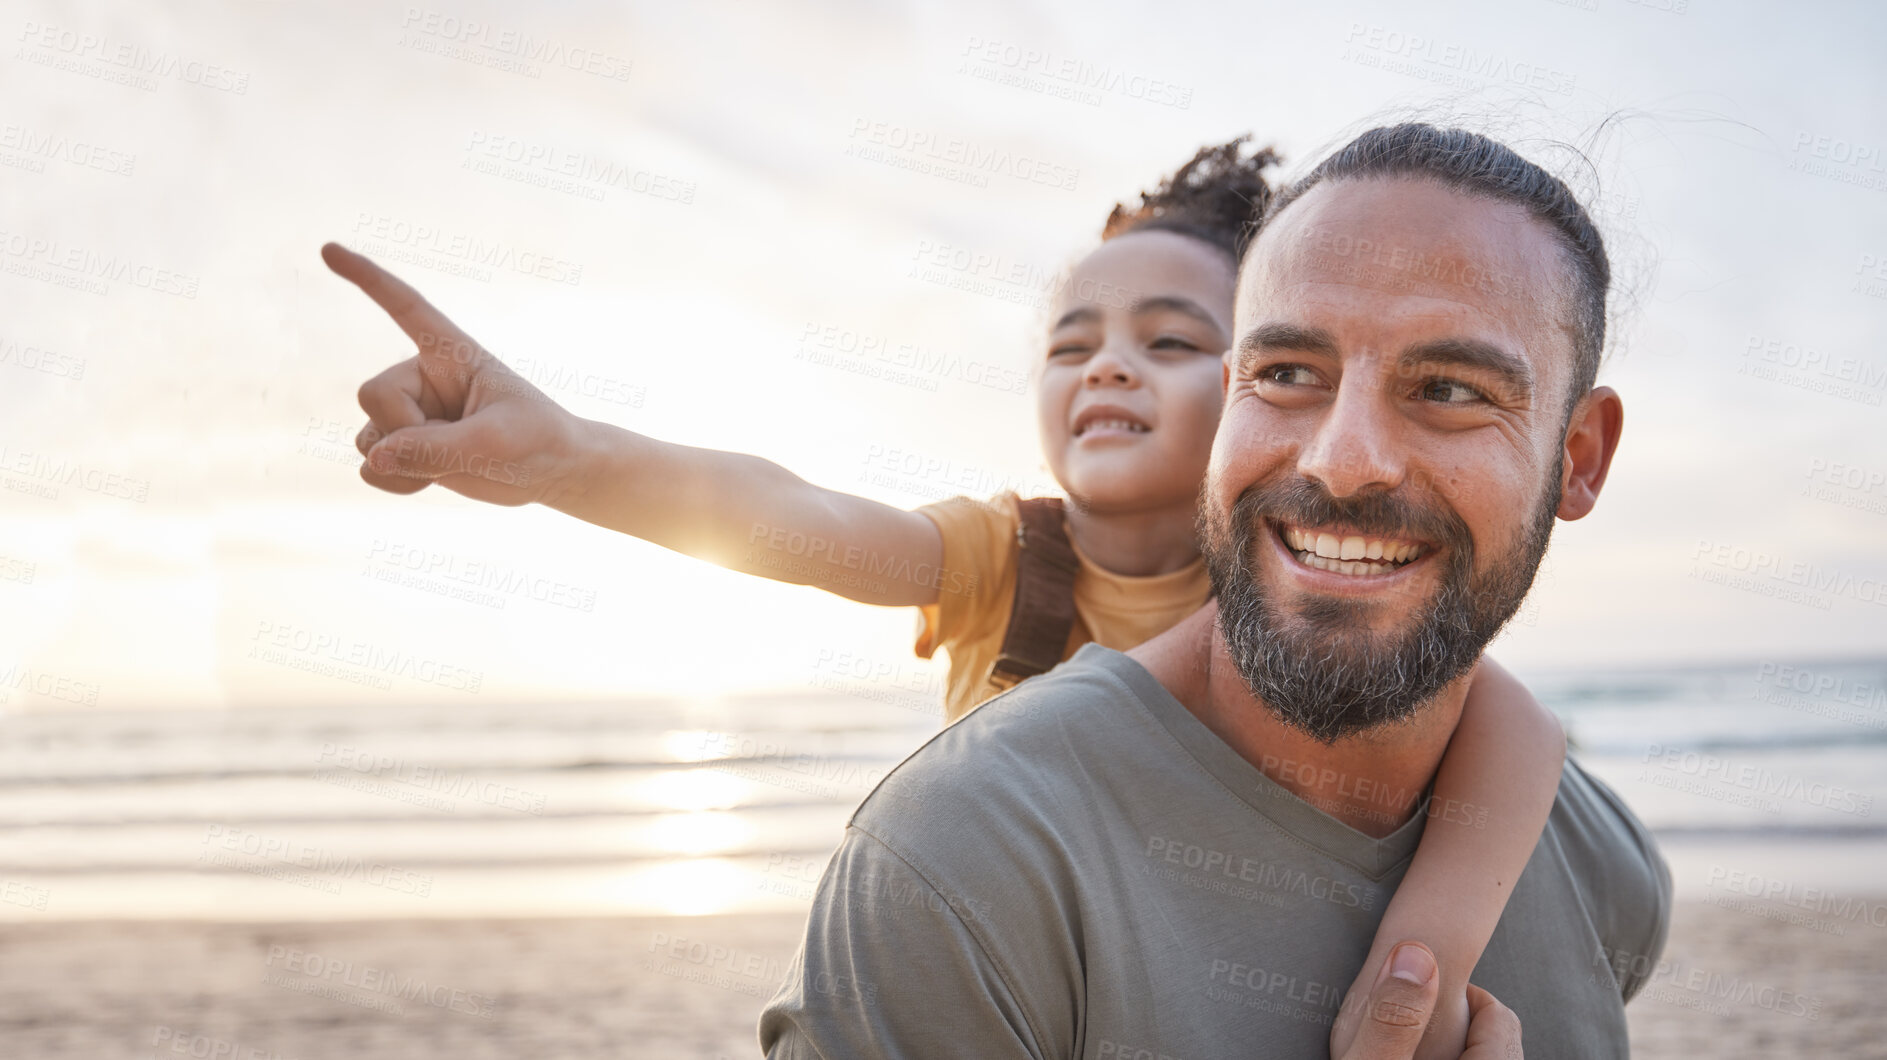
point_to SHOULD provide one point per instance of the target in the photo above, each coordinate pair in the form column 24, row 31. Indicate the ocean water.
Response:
column 723, row 805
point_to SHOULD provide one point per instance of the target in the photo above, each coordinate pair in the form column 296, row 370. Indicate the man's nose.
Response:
column 1355, row 446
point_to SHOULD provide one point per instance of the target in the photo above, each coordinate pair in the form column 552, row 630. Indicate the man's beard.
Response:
column 1319, row 669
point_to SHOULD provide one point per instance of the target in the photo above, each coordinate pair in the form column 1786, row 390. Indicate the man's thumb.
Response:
column 431, row 451
column 1399, row 1006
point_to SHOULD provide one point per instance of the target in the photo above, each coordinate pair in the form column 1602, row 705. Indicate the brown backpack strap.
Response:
column 1044, row 608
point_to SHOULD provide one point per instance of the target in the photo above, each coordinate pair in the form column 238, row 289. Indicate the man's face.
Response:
column 1386, row 473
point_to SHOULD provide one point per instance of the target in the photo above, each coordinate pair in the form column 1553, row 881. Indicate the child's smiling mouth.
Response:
column 1108, row 421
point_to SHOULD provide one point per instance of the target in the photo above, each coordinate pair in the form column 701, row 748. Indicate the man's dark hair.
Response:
column 1471, row 163
column 1217, row 198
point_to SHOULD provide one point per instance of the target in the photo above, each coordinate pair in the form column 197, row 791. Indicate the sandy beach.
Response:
column 545, row 989
column 692, row 987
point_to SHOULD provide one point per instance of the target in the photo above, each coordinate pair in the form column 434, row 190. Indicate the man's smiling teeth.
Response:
column 1349, row 555
column 1125, row 425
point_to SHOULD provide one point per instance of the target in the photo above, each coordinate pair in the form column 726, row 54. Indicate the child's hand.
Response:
column 454, row 413
column 1493, row 1029
column 1447, row 1033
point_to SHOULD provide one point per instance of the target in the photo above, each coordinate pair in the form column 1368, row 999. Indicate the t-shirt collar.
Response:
column 1371, row 856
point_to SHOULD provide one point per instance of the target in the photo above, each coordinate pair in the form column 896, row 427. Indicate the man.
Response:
column 1121, row 858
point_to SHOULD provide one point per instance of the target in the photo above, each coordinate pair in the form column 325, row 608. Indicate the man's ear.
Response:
column 1591, row 440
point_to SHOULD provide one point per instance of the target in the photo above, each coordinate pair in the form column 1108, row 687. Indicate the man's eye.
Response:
column 1450, row 392
column 1287, row 375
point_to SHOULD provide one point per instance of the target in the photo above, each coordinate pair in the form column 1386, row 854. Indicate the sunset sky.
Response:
column 656, row 211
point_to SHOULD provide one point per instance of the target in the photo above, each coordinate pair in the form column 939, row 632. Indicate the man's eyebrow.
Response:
column 1471, row 353
column 1291, row 337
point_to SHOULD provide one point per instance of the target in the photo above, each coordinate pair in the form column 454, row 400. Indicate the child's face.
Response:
column 1132, row 385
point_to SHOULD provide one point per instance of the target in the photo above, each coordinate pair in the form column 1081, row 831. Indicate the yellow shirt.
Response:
column 979, row 554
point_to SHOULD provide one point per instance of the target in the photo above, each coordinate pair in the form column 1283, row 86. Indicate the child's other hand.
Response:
column 1493, row 1029
column 454, row 414
column 1447, row 1034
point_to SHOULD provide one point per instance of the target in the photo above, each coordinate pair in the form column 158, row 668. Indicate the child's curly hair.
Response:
column 1217, row 198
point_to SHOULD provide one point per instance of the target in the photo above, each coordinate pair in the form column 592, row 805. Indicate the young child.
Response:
column 1128, row 402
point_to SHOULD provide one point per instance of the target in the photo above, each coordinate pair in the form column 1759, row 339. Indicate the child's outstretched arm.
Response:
column 1493, row 792
column 455, row 415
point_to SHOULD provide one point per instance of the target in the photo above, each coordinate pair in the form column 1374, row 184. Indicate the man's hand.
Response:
column 453, row 413
column 1402, row 1000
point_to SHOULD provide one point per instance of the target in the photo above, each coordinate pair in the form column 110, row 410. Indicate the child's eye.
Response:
column 1174, row 342
column 1068, row 350
column 1450, row 392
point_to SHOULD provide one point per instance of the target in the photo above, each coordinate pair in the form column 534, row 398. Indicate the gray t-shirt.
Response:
column 1080, row 868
